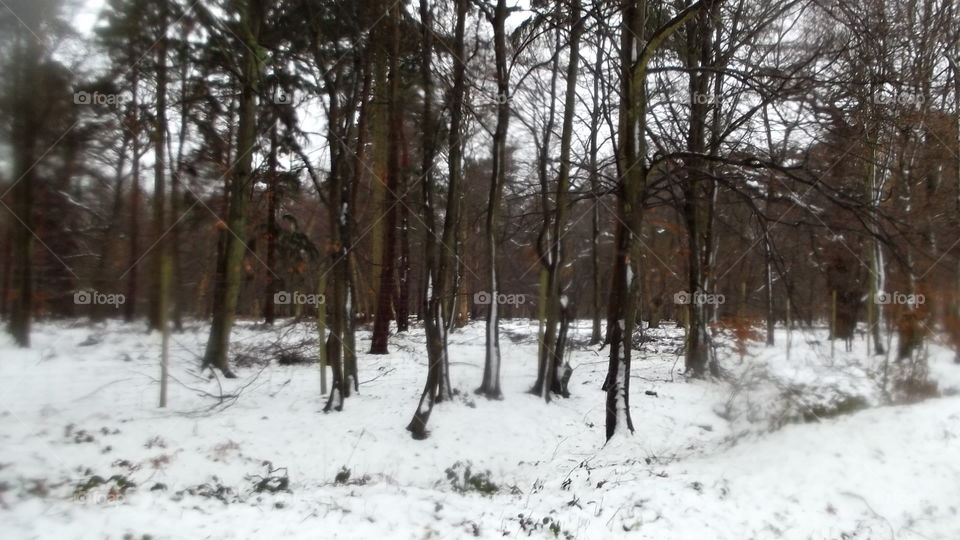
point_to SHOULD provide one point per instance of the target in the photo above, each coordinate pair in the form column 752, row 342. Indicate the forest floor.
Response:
column 779, row 448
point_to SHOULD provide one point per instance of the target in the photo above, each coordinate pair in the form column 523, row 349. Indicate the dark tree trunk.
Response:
column 632, row 169
column 133, row 119
column 340, row 343
column 401, row 301
column 269, row 309
column 24, row 136
column 438, row 258
column 544, row 241
column 490, row 386
column 556, row 303
column 596, row 333
column 159, row 180
column 381, row 324
column 225, row 309
column 106, row 241
column 699, row 52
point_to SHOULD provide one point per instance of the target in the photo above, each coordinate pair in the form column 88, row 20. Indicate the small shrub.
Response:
column 221, row 450
column 271, row 482
column 116, row 486
column 210, row 490
column 529, row 525
column 293, row 358
column 343, row 477
column 463, row 479
column 155, row 442
column 79, row 436
column 910, row 380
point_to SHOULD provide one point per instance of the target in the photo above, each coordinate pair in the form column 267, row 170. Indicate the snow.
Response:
column 83, row 401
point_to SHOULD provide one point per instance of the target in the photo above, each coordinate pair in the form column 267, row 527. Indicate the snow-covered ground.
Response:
column 85, row 452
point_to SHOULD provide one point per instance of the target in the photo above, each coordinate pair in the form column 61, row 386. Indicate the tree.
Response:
column 29, row 75
column 385, row 290
column 551, row 356
column 633, row 171
column 251, row 13
column 490, row 387
column 437, row 252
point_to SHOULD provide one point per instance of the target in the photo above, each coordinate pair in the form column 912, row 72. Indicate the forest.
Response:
column 457, row 268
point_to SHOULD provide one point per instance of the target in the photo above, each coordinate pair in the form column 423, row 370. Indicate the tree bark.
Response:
column 133, row 119
column 269, row 308
column 556, row 303
column 381, row 324
column 224, row 311
column 632, row 169
column 159, row 177
column 25, row 132
column 696, row 199
column 595, row 230
column 490, row 387
column 438, row 259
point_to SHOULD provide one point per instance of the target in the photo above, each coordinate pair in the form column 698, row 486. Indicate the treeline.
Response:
column 720, row 164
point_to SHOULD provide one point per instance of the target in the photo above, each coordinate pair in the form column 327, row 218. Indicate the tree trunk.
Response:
column 159, row 179
column 224, row 311
column 381, row 324
column 699, row 52
column 133, row 115
column 24, row 140
column 556, row 303
column 596, row 333
column 438, row 258
column 544, row 241
column 490, row 387
column 269, row 308
column 340, row 343
column 106, row 240
column 631, row 166
column 401, row 302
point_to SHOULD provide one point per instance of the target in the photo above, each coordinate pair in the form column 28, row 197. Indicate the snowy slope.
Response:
column 82, row 404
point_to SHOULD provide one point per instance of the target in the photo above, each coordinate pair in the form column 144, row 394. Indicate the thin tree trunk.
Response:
column 340, row 343
column 339, row 266
column 159, row 178
column 160, row 312
column 555, row 302
column 594, row 172
column 699, row 52
column 544, row 242
column 381, row 323
column 633, row 171
column 24, row 137
column 438, row 258
column 381, row 52
column 490, row 387
column 133, row 115
column 630, row 149
column 107, row 241
column 269, row 308
column 223, row 315
column 401, row 302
